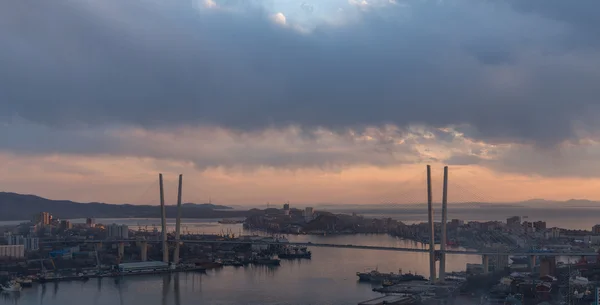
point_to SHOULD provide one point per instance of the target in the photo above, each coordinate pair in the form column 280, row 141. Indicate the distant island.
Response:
column 15, row 206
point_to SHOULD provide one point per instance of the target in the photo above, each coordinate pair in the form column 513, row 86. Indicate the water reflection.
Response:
column 120, row 290
column 55, row 290
column 328, row 278
column 10, row 297
column 165, row 287
column 176, row 290
column 43, row 294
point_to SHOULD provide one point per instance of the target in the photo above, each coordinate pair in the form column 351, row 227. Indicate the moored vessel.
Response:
column 389, row 279
column 11, row 286
column 295, row 252
column 24, row 282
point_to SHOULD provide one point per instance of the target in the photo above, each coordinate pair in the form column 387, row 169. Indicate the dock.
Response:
column 116, row 275
column 391, row 300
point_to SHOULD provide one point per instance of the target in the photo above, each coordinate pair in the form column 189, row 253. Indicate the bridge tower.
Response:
column 163, row 217
column 178, row 223
column 444, row 226
column 432, row 276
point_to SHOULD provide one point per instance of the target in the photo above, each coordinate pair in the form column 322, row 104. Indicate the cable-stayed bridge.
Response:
column 346, row 246
column 464, row 195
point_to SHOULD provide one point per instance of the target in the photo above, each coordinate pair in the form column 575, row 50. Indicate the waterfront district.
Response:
column 48, row 249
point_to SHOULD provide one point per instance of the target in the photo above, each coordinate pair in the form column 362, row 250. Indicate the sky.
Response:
column 307, row 101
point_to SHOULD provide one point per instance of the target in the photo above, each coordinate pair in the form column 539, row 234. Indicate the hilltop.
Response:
column 15, row 206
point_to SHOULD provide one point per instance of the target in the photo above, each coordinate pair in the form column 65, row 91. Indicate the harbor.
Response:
column 330, row 279
column 341, row 276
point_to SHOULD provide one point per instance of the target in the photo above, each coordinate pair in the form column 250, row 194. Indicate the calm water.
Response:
column 329, row 278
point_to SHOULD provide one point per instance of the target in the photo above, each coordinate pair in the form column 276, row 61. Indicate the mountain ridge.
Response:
column 15, row 206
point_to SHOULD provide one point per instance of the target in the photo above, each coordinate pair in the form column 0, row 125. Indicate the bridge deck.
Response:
column 347, row 246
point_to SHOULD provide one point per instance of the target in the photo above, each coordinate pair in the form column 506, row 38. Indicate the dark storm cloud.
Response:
column 154, row 64
column 206, row 148
column 581, row 15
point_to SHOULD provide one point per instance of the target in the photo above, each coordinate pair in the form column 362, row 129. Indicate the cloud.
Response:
column 580, row 16
column 279, row 18
column 579, row 159
column 505, row 73
column 204, row 147
column 210, row 3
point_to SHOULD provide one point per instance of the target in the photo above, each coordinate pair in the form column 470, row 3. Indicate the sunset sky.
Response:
column 307, row 101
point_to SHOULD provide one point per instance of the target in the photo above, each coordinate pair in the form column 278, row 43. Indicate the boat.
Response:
column 267, row 261
column 232, row 262
column 391, row 278
column 48, row 277
column 25, row 282
column 294, row 253
column 11, row 286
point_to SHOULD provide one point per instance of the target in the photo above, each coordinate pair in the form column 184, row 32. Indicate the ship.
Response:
column 266, row 260
column 47, row 277
column 294, row 253
column 25, row 282
column 232, row 262
column 11, row 286
column 391, row 278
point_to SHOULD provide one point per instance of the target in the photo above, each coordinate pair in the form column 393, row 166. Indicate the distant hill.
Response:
column 206, row 206
column 15, row 206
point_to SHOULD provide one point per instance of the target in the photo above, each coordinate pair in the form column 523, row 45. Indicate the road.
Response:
column 347, row 246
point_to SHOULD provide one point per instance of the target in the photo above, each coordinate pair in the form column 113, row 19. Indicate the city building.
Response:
column 43, row 218
column 286, row 209
column 90, row 222
column 490, row 225
column 12, row 251
column 32, row 243
column 29, row 243
column 308, row 214
column 552, row 233
column 547, row 266
column 596, row 229
column 117, row 231
column 33, row 230
column 539, row 226
column 457, row 223
column 592, row 239
column 65, row 225
column 514, row 221
column 528, row 226
column 474, row 225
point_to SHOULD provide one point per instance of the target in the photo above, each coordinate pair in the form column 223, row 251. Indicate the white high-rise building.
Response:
column 32, row 244
column 12, row 251
column 29, row 243
column 117, row 231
